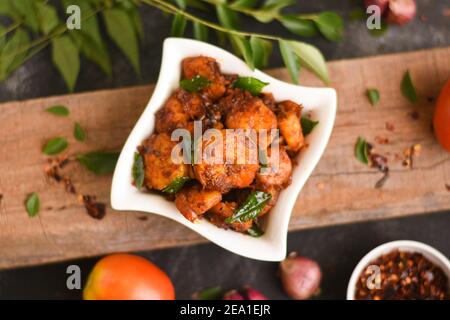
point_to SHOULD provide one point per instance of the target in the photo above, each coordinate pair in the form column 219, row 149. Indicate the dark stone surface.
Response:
column 337, row 249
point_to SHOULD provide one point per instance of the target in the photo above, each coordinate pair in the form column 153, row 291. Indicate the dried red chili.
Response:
column 95, row 209
column 402, row 276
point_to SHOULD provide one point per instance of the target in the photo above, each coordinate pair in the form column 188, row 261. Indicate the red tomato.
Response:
column 127, row 277
column 441, row 121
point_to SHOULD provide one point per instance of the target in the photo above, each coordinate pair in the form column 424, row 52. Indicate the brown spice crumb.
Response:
column 409, row 154
column 389, row 126
column 417, row 148
column 95, row 209
column 381, row 163
column 380, row 183
column 1, row 197
column 143, row 218
column 414, row 115
column 447, row 186
column 68, row 185
column 381, row 140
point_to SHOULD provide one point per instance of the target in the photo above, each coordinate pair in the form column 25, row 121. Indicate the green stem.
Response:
column 174, row 10
column 10, row 28
column 44, row 41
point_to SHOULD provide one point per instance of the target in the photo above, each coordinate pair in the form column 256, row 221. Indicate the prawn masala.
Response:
column 240, row 179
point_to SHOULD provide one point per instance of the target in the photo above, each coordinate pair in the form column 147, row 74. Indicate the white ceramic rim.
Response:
column 428, row 252
column 321, row 102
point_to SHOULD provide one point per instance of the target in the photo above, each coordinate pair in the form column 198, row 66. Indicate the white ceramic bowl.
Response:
column 402, row 245
column 320, row 102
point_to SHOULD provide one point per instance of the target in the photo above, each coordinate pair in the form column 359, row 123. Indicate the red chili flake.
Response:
column 380, row 183
column 390, row 127
column 402, row 276
column 409, row 154
column 381, row 163
column 381, row 140
column 68, row 185
column 95, row 209
column 414, row 115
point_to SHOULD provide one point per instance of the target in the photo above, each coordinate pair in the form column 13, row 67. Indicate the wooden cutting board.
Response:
column 341, row 190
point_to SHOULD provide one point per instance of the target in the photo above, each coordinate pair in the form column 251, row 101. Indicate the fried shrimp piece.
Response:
column 181, row 108
column 289, row 124
column 193, row 201
column 160, row 171
column 209, row 68
column 227, row 162
column 249, row 112
column 278, row 170
column 223, row 210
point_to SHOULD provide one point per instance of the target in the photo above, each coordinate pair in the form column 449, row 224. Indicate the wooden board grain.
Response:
column 341, row 190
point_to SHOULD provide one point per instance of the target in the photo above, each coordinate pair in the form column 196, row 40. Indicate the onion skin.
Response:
column 300, row 277
column 401, row 11
column 382, row 4
column 253, row 294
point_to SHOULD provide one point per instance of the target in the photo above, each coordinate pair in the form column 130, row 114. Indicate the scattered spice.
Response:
column 423, row 18
column 402, row 276
column 447, row 186
column 380, row 162
column 414, row 115
column 143, row 218
column 430, row 99
column 95, row 209
column 409, row 154
column 53, row 170
column 381, row 140
column 389, row 126
column 366, row 154
column 68, row 185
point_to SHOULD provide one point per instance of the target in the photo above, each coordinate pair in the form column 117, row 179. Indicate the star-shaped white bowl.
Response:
column 319, row 102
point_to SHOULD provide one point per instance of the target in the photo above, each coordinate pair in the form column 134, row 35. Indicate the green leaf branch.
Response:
column 35, row 25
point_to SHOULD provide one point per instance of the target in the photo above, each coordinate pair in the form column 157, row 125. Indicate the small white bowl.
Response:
column 320, row 102
column 428, row 252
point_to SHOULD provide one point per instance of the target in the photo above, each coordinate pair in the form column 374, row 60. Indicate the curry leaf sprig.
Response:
column 19, row 41
column 329, row 24
column 36, row 25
